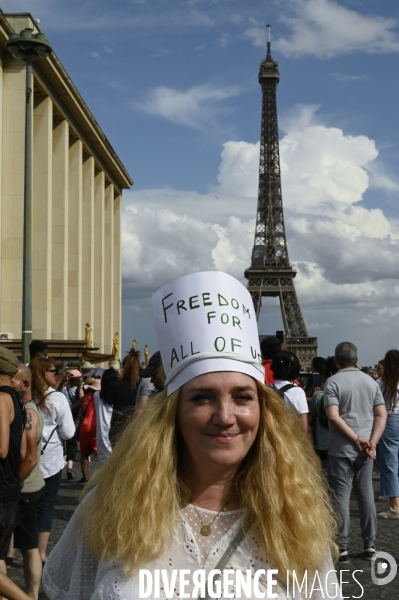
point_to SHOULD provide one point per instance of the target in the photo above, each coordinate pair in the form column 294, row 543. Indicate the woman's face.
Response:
column 50, row 375
column 218, row 419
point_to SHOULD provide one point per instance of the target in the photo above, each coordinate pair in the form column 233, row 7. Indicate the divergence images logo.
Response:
column 383, row 568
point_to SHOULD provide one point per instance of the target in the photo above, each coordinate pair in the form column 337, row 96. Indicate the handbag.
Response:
column 235, row 542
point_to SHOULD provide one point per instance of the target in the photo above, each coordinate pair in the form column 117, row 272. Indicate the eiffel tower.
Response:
column 270, row 273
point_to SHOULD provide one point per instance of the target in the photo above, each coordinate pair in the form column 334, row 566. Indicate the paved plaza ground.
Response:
column 387, row 541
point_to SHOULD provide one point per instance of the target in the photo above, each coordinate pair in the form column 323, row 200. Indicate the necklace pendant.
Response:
column 206, row 530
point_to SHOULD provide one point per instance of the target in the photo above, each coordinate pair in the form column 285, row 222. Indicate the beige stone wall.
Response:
column 60, row 212
column 76, row 254
column 42, row 210
column 12, row 193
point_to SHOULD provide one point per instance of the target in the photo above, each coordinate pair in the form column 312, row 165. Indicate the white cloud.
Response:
column 194, row 107
column 320, row 164
column 160, row 52
column 225, row 40
column 345, row 253
column 342, row 77
column 237, row 18
column 200, row 18
column 381, row 179
column 324, row 28
column 238, row 171
column 313, row 326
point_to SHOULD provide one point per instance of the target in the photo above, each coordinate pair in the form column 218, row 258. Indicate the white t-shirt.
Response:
column 58, row 415
column 103, row 423
column 295, row 395
column 395, row 409
column 72, row 571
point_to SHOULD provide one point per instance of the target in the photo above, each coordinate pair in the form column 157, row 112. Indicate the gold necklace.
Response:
column 207, row 529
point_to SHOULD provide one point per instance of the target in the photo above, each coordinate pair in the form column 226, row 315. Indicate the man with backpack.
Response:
column 286, row 369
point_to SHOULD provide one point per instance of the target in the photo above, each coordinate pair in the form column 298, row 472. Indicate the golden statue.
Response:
column 146, row 354
column 88, row 330
column 134, row 345
column 115, row 346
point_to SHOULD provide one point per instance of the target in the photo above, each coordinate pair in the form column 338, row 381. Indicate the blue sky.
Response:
column 173, row 84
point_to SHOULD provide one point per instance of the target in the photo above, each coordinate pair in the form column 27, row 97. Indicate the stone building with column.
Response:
column 77, row 199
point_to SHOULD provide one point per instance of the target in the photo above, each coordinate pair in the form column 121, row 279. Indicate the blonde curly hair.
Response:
column 139, row 492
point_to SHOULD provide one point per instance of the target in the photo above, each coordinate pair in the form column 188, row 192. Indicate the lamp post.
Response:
column 29, row 46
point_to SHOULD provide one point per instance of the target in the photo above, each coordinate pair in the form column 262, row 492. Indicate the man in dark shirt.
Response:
column 12, row 447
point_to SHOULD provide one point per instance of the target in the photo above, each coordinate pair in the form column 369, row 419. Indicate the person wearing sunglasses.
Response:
column 58, row 426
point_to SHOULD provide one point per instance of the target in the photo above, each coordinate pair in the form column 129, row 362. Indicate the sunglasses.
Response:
column 51, row 371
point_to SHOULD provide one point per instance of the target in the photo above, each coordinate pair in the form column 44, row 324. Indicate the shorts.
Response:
column 26, row 532
column 8, row 510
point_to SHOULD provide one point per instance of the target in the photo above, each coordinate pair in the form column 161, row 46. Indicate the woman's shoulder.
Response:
column 55, row 398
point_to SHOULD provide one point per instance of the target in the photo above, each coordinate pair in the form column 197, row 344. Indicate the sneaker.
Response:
column 83, row 480
column 383, row 498
column 343, row 556
column 391, row 513
column 369, row 553
column 70, row 474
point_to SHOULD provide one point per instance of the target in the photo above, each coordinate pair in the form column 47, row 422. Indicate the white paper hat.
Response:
column 206, row 322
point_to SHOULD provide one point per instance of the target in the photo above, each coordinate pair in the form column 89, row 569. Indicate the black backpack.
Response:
column 323, row 419
column 282, row 390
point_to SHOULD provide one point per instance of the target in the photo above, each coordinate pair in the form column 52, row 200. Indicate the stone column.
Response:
column 99, row 202
column 42, row 217
column 117, row 287
column 12, row 194
column 1, row 171
column 75, row 326
column 89, row 240
column 59, row 313
column 108, row 268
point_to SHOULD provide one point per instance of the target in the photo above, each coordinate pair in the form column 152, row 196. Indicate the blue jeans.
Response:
column 388, row 457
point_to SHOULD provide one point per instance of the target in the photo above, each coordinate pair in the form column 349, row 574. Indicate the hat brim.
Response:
column 213, row 365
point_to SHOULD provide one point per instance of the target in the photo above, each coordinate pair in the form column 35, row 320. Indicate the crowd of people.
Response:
column 45, row 417
column 204, row 449
column 352, row 415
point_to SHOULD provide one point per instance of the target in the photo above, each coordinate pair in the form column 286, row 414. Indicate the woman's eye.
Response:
column 244, row 397
column 199, row 398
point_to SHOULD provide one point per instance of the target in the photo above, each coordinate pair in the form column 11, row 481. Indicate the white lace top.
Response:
column 72, row 572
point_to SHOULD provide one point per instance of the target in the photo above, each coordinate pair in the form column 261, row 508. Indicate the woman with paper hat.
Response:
column 215, row 473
